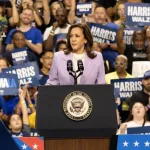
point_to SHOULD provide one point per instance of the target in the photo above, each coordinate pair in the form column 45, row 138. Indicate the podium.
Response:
column 63, row 133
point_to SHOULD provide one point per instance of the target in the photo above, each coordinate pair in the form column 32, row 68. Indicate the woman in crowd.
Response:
column 79, row 47
column 20, row 127
column 121, row 13
column 137, row 118
column 54, row 6
column 120, row 64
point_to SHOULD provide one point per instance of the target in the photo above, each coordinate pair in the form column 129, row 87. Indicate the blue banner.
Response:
column 19, row 56
column 139, row 130
column 127, row 86
column 137, row 14
column 133, row 142
column 27, row 73
column 102, row 34
column 84, row 8
column 9, row 84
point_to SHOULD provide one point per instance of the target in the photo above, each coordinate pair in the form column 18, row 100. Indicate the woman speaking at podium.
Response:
column 79, row 64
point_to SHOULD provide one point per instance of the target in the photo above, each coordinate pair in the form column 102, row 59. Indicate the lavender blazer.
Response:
column 93, row 70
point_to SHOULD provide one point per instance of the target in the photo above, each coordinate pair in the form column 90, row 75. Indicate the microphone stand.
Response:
column 75, row 75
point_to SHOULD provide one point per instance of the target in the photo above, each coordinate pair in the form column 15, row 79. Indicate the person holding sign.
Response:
column 137, row 118
column 135, row 52
column 33, row 36
column 20, row 51
column 80, row 43
column 109, row 49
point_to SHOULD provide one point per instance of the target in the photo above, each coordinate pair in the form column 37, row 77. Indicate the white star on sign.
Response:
column 125, row 144
column 24, row 146
column 136, row 144
column 35, row 146
column 147, row 144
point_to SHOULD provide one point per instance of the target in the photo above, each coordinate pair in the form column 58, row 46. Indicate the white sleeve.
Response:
column 46, row 33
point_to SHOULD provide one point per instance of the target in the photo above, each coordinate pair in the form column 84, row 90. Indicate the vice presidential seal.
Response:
column 77, row 105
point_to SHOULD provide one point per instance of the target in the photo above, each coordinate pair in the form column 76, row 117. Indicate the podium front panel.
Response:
column 52, row 122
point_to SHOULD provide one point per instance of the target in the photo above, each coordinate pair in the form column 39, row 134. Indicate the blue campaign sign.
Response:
column 102, row 34
column 84, row 8
column 127, row 86
column 19, row 56
column 57, row 38
column 133, row 142
column 137, row 14
column 27, row 73
column 9, row 84
column 128, row 34
column 139, row 130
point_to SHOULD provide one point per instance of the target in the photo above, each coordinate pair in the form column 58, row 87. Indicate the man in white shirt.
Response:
column 60, row 26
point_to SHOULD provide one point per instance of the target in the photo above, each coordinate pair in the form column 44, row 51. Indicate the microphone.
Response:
column 69, row 66
column 80, row 66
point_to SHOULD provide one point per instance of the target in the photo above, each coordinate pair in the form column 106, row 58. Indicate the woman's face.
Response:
column 54, row 8
column 15, row 123
column 138, row 110
column 3, row 65
column 120, row 64
column 77, row 39
column 121, row 10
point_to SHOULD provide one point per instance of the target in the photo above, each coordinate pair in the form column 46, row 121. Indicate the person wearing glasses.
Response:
column 120, row 64
column 46, row 63
column 120, row 73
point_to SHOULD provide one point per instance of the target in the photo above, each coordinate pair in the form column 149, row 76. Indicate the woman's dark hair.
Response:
column 88, row 36
column 59, row 43
column 130, row 118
